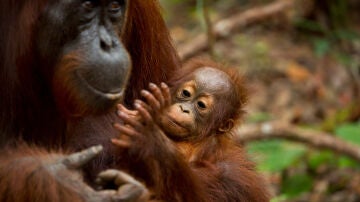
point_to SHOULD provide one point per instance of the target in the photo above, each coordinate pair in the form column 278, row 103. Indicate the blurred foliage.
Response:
column 340, row 116
column 256, row 54
column 317, row 159
column 328, row 39
column 328, row 28
column 276, row 155
column 296, row 185
column 349, row 132
column 258, row 117
column 280, row 156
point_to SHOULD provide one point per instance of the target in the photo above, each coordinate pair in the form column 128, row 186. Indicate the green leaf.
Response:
column 349, row 132
column 344, row 58
column 317, row 159
column 259, row 117
column 297, row 184
column 321, row 46
column 346, row 162
column 348, row 35
column 280, row 198
column 309, row 25
column 261, row 48
column 275, row 155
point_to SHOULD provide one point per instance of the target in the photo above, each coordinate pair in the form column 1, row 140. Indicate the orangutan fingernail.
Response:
column 152, row 85
column 144, row 92
column 119, row 113
column 122, row 114
column 163, row 85
column 137, row 105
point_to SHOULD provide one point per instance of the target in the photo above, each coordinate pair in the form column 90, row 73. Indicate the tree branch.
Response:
column 227, row 26
column 314, row 138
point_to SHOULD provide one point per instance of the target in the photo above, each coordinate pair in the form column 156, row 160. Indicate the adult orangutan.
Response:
column 63, row 67
column 187, row 129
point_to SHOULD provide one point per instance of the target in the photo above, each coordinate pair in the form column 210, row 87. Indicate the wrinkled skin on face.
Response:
column 82, row 41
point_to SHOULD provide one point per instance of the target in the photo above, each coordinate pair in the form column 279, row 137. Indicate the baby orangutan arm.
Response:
column 172, row 178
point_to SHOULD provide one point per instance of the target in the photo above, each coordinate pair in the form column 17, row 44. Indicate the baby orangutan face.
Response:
column 194, row 102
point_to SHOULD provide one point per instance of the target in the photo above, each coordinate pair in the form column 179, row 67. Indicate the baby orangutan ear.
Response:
column 226, row 126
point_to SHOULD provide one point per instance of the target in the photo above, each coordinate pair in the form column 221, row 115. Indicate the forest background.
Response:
column 302, row 61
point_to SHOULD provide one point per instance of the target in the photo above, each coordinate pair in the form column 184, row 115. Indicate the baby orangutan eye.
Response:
column 201, row 105
column 185, row 93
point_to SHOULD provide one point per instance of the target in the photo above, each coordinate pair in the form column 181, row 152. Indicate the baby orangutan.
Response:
column 185, row 129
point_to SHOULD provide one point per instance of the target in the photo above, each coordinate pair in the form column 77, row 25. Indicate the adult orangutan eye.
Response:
column 88, row 5
column 201, row 105
column 115, row 6
column 186, row 93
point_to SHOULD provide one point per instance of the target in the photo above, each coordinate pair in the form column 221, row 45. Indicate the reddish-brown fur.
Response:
column 23, row 177
column 209, row 166
column 222, row 166
column 214, row 156
column 29, row 112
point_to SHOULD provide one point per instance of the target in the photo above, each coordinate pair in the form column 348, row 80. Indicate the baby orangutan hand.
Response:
column 140, row 126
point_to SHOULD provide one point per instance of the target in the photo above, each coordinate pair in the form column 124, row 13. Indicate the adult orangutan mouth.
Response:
column 110, row 96
column 113, row 96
